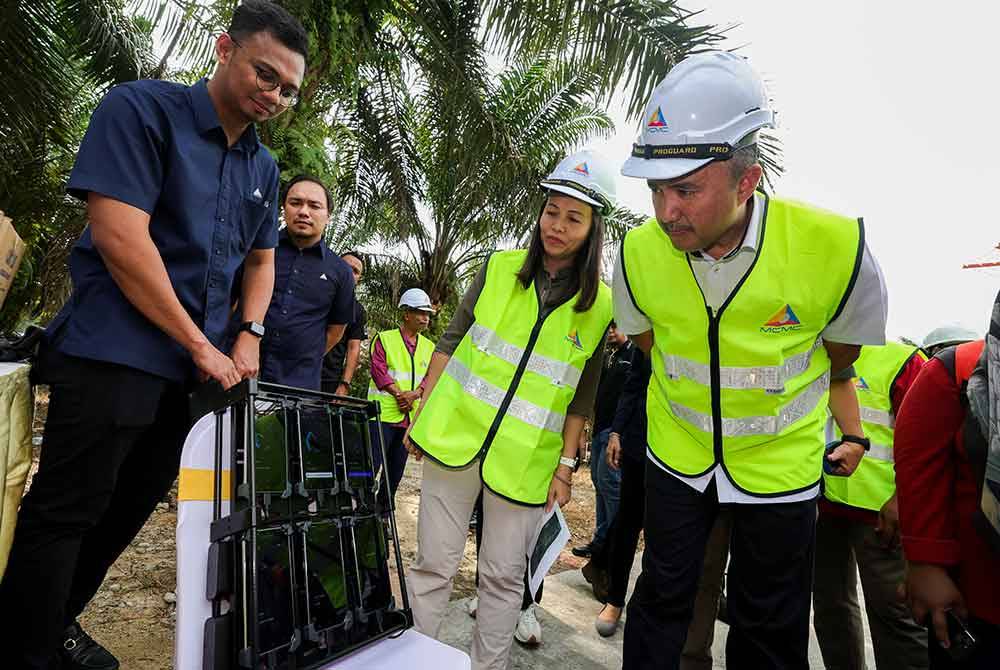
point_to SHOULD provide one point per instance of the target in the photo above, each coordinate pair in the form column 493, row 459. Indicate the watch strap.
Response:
column 857, row 439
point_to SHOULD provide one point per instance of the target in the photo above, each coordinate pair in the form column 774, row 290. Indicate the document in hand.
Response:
column 550, row 538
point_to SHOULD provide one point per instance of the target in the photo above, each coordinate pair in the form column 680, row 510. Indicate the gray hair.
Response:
column 746, row 153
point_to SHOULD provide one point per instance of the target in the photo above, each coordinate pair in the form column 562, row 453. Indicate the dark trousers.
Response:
column 770, row 578
column 985, row 657
column 395, row 453
column 526, row 599
column 624, row 537
column 111, row 450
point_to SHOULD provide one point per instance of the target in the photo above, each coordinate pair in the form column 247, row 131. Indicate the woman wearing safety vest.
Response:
column 505, row 406
column 399, row 360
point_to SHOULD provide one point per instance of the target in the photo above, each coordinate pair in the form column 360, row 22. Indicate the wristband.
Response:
column 567, row 483
column 856, row 439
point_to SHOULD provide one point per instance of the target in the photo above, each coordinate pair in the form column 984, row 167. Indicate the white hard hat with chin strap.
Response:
column 708, row 106
column 586, row 176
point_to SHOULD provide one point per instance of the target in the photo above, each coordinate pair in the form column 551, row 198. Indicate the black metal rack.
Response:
column 298, row 570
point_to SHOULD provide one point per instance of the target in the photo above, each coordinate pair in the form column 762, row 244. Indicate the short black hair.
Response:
column 357, row 254
column 263, row 16
column 310, row 178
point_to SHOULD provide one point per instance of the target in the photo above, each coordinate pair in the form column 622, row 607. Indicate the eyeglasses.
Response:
column 268, row 81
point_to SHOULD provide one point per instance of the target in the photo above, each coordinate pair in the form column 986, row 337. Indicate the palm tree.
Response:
column 58, row 56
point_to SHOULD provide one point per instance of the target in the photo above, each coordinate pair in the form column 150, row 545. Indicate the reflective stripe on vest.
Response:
column 406, row 370
column 746, row 383
column 489, row 342
column 878, row 416
column 477, row 387
column 767, row 378
column 874, row 480
column 795, row 410
column 503, row 397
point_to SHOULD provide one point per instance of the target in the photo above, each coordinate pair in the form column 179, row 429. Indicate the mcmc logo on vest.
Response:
column 783, row 321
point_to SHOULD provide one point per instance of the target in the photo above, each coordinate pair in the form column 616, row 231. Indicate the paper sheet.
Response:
column 550, row 538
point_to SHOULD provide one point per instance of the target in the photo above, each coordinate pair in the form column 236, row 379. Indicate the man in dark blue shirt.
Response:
column 341, row 362
column 313, row 291
column 179, row 193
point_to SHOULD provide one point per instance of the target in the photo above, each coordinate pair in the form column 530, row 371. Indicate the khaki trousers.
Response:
column 697, row 654
column 843, row 549
column 446, row 501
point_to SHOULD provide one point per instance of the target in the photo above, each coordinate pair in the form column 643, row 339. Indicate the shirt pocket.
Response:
column 253, row 215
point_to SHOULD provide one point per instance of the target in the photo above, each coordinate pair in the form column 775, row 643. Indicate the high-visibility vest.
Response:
column 503, row 396
column 406, row 369
column 747, row 386
column 874, row 481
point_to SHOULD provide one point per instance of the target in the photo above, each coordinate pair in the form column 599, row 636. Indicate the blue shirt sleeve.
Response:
column 342, row 307
column 120, row 156
column 267, row 234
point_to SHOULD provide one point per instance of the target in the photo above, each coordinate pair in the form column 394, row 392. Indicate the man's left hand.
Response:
column 846, row 457
column 246, row 355
column 887, row 528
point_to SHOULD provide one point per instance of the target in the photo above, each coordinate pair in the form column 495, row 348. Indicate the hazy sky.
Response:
column 889, row 112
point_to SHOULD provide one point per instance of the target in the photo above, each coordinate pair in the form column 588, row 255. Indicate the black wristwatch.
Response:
column 252, row 327
column 863, row 441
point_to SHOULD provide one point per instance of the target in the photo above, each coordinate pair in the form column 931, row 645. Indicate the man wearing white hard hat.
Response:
column 508, row 392
column 947, row 336
column 746, row 304
column 399, row 360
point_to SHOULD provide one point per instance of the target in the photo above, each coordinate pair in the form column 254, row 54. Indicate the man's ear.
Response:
column 749, row 181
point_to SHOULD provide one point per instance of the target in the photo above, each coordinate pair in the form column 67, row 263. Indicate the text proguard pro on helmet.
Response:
column 586, row 176
column 701, row 110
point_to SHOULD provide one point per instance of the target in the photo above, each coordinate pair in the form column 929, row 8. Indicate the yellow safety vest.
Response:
column 407, row 370
column 874, row 482
column 747, row 386
column 503, row 396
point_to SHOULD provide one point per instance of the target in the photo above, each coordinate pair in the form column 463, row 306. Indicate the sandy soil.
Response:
column 133, row 614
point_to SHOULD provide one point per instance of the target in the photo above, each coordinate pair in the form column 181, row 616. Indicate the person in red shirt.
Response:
column 950, row 566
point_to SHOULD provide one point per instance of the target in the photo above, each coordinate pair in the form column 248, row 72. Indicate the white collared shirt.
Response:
column 861, row 322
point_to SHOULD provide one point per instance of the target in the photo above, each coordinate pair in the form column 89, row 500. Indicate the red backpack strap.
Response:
column 966, row 357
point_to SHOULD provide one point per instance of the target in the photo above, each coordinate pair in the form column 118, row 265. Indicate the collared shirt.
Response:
column 336, row 358
column 861, row 322
column 380, row 370
column 160, row 147
column 313, row 289
column 609, row 389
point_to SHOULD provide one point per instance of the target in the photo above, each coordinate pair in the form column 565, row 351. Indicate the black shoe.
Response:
column 80, row 651
column 585, row 551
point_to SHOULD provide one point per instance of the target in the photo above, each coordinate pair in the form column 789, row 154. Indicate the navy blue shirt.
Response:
column 313, row 289
column 160, row 147
column 630, row 415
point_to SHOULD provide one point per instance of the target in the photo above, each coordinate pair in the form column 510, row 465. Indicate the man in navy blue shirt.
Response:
column 179, row 194
column 313, row 291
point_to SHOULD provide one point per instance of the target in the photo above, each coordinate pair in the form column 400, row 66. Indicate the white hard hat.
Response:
column 416, row 298
column 948, row 335
column 707, row 106
column 586, row 176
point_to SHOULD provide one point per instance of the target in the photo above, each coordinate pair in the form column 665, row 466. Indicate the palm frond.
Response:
column 635, row 41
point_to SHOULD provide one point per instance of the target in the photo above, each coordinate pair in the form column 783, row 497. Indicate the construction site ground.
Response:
column 133, row 614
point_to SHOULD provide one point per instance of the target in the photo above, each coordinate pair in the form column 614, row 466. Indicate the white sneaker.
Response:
column 472, row 606
column 528, row 631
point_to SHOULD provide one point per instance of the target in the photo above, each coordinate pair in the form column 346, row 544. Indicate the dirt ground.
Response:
column 134, row 612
